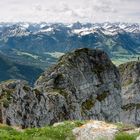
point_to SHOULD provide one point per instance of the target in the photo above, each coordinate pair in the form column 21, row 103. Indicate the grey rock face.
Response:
column 27, row 107
column 130, row 79
column 83, row 85
column 89, row 83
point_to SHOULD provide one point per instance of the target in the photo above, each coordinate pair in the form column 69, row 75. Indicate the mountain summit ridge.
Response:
column 41, row 44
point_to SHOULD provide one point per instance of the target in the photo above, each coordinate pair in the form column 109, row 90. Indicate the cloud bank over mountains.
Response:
column 70, row 10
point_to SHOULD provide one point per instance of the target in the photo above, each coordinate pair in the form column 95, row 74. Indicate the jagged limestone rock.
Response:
column 23, row 106
column 88, row 81
column 83, row 85
column 130, row 79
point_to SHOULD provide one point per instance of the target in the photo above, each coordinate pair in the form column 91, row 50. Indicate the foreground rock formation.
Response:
column 83, row 85
column 89, row 83
column 26, row 107
column 130, row 80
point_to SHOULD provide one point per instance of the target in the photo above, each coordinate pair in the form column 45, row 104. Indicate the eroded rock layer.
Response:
column 130, row 79
column 84, row 84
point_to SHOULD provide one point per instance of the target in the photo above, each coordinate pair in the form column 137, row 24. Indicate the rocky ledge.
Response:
column 83, row 85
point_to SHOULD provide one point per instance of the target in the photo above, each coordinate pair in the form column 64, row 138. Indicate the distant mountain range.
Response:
column 41, row 44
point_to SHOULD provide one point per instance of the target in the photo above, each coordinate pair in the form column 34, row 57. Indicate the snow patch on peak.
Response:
column 84, row 31
column 25, row 25
column 42, row 25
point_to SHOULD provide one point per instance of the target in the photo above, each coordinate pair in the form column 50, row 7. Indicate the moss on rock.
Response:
column 102, row 96
column 60, row 91
column 127, row 82
column 36, row 91
column 26, row 88
column 88, row 104
column 131, row 106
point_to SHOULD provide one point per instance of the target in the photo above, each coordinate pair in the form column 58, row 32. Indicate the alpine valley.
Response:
column 41, row 44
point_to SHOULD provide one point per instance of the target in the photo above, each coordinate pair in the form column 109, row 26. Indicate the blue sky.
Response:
column 70, row 10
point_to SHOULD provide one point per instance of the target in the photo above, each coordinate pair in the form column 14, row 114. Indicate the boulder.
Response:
column 95, row 130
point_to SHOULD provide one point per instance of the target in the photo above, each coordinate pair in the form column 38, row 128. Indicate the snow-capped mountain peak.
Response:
column 81, row 29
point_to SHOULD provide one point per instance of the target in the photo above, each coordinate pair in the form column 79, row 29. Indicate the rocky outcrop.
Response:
column 95, row 130
column 130, row 80
column 99, row 130
column 26, row 107
column 83, row 85
column 89, row 83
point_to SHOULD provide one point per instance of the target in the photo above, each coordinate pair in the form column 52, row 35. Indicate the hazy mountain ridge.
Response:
column 12, row 70
column 20, row 41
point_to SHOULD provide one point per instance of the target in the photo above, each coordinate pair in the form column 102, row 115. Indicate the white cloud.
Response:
column 70, row 10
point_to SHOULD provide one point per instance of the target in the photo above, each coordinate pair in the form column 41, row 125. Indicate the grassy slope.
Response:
column 60, row 132
column 12, row 70
column 120, row 59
